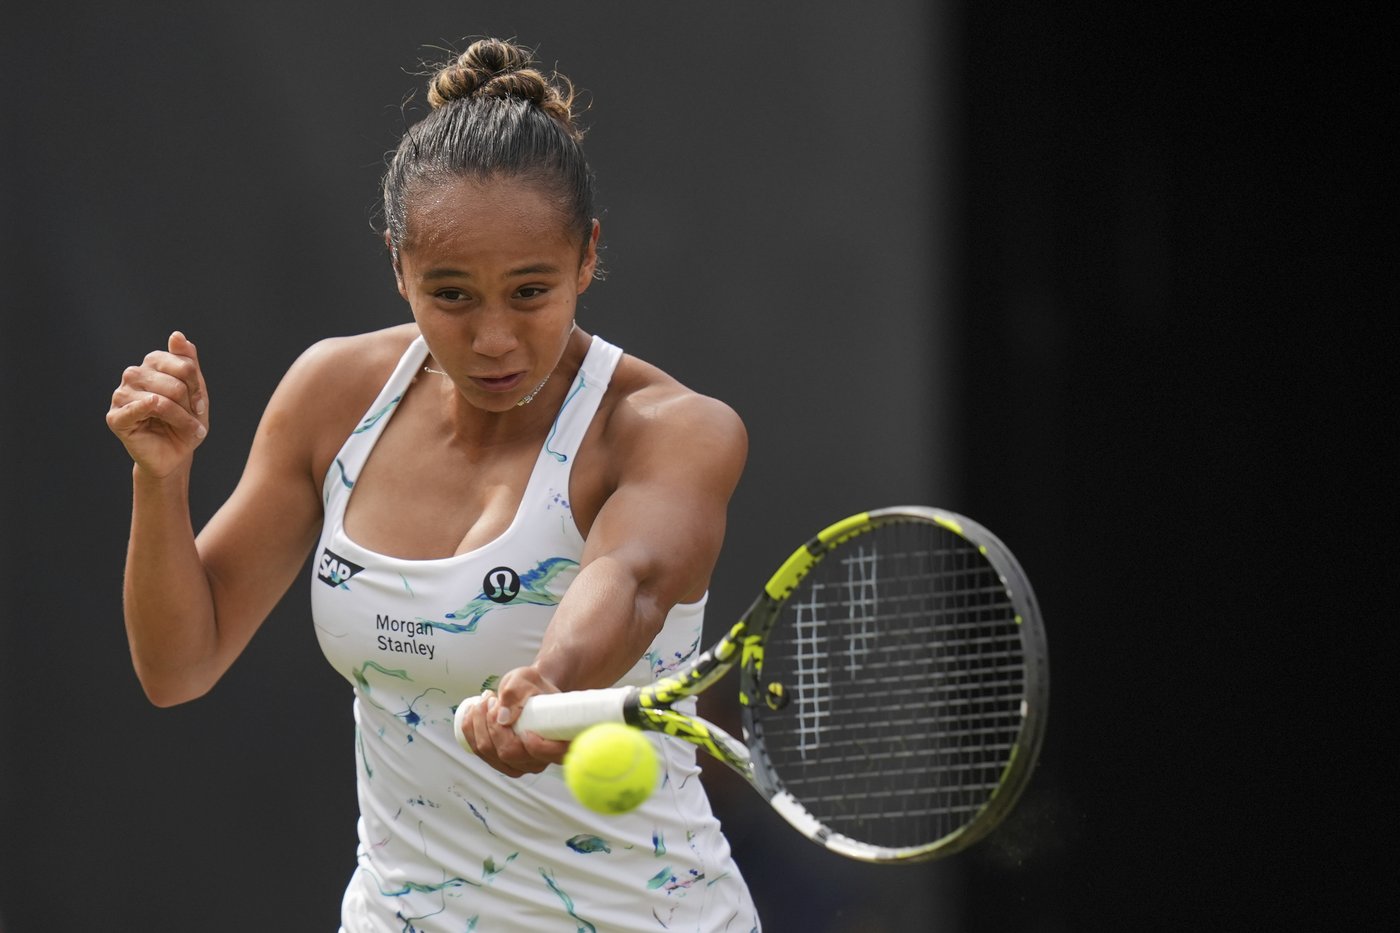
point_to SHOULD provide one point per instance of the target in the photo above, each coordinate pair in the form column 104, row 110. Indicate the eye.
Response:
column 450, row 294
column 530, row 291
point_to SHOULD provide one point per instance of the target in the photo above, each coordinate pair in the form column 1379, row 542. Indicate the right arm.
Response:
column 193, row 603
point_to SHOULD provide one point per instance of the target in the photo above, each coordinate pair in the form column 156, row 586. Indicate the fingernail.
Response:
column 201, row 430
column 502, row 715
column 201, row 406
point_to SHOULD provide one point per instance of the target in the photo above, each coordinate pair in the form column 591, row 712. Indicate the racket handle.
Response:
column 556, row 715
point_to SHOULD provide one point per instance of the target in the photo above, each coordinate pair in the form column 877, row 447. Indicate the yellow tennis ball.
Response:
column 611, row 768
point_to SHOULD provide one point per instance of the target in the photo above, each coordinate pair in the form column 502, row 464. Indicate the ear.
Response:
column 398, row 266
column 589, row 265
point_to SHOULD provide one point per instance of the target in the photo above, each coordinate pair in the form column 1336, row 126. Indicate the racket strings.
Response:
column 903, row 662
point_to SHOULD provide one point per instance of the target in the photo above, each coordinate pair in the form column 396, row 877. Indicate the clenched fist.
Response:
column 160, row 412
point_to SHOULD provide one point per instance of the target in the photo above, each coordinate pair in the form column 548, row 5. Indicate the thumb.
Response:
column 180, row 345
column 497, row 711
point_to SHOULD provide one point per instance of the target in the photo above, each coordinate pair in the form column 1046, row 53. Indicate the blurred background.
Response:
column 1074, row 270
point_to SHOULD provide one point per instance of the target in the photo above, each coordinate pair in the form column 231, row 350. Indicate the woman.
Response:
column 498, row 502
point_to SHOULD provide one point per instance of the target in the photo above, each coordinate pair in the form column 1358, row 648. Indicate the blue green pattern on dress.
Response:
column 584, row 844
column 534, row 591
column 583, row 925
column 489, row 871
column 371, row 420
column 562, row 458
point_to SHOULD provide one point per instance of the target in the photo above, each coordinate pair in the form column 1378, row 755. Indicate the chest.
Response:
column 417, row 496
column 421, row 501
column 417, row 635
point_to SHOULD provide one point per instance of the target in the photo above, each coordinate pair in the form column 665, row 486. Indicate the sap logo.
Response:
column 501, row 585
column 334, row 570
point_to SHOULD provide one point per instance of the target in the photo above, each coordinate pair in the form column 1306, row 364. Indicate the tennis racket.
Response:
column 893, row 682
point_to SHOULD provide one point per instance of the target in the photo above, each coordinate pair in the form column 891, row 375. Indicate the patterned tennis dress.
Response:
column 446, row 843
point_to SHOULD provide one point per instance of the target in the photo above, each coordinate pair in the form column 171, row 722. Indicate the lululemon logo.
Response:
column 501, row 585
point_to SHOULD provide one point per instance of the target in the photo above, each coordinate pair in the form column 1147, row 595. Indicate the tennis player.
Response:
column 497, row 501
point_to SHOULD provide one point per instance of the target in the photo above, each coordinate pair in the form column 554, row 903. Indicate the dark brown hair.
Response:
column 494, row 114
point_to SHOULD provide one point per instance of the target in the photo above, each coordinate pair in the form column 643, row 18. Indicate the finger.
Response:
column 498, row 721
column 515, row 688
column 474, row 726
column 178, row 417
column 138, row 381
column 178, row 366
column 545, row 750
column 508, row 745
column 461, row 722
column 148, row 407
column 484, row 741
column 130, row 410
column 499, row 709
column 523, row 757
column 180, row 345
column 504, row 715
column 532, row 746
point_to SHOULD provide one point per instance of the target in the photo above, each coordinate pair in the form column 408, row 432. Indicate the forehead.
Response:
column 465, row 213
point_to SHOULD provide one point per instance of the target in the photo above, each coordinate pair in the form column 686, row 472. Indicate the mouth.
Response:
column 505, row 383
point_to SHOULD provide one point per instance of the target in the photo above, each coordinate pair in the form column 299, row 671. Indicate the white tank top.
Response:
column 445, row 842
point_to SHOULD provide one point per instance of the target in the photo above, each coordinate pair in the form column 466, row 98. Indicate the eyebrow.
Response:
column 449, row 273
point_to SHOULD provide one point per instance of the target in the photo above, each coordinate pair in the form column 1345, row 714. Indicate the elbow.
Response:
column 164, row 699
column 167, row 690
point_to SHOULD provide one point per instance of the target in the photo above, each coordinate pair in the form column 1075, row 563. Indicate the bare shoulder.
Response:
column 346, row 362
column 660, row 443
column 328, row 388
column 651, row 410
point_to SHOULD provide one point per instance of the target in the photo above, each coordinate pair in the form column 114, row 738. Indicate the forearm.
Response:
column 605, row 624
column 653, row 544
column 168, row 602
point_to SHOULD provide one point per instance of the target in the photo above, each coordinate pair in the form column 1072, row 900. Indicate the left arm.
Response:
column 653, row 544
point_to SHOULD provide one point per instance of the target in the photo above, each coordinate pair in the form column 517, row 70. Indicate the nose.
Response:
column 494, row 335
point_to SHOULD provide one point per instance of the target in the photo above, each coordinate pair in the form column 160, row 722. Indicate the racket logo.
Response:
column 501, row 585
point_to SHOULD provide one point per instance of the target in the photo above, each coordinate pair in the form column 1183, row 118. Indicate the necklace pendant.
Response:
column 531, row 397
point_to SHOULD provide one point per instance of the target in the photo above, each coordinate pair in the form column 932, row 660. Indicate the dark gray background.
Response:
column 1070, row 270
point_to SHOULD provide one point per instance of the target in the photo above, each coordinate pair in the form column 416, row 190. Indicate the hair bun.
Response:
column 495, row 68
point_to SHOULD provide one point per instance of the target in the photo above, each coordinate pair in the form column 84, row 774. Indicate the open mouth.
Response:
column 499, row 383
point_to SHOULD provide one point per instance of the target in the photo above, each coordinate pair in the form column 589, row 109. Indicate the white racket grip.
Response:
column 556, row 715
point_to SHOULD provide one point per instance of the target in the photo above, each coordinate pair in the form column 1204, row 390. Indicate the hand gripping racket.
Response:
column 893, row 683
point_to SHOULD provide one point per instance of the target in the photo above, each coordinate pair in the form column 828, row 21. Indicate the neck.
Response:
column 528, row 418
